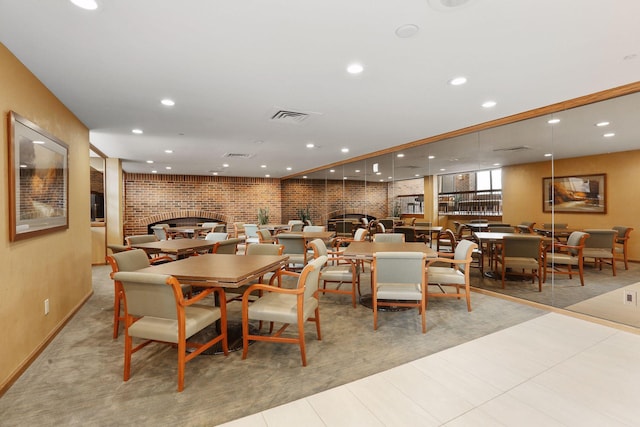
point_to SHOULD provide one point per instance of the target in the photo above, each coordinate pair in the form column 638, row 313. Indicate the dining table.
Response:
column 225, row 271
column 191, row 231
column 487, row 241
column 311, row 235
column 178, row 247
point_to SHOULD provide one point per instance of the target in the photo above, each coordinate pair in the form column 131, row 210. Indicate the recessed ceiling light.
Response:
column 289, row 168
column 378, row 173
column 548, row 155
column 609, row 135
column 310, row 145
column 149, row 161
column 304, row 176
column 263, row 166
column 601, row 124
column 355, row 68
column 357, row 170
column 488, row 104
column 381, row 180
column 496, row 164
column 154, row 171
column 168, row 151
column 442, row 169
column 400, row 155
column 215, row 173
column 553, row 121
column 344, row 177
column 345, row 150
column 38, row 142
column 389, row 177
column 417, row 175
column 332, row 170
column 137, row 131
column 23, row 166
column 432, row 157
column 168, row 168
column 225, row 165
column 86, row 4
column 168, row 102
column 407, row 30
column 457, row 81
column 267, row 176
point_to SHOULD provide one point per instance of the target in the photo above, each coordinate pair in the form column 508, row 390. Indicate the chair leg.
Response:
column 181, row 364
column 317, row 320
column 303, row 352
column 116, row 313
column 127, row 357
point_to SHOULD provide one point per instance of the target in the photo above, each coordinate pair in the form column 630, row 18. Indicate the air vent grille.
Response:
column 238, row 155
column 285, row 116
column 521, row 147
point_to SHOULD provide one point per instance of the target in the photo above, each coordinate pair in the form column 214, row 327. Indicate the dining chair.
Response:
column 344, row 229
column 295, row 248
column 296, row 227
column 251, row 233
column 269, row 278
column 130, row 260
column 621, row 243
column 560, row 258
column 264, row 236
column 156, row 311
column 286, row 306
column 229, row 246
column 238, row 229
column 521, row 254
column 446, row 243
column 388, row 238
column 208, row 228
column 216, row 237
column 455, row 275
column 314, row 228
column 156, row 257
column 343, row 271
column 160, row 231
column 600, row 247
column 410, row 234
column 398, row 280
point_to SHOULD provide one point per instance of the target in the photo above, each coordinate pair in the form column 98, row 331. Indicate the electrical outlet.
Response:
column 46, row 306
column 630, row 297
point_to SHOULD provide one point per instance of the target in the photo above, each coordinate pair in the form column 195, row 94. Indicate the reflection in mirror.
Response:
column 96, row 186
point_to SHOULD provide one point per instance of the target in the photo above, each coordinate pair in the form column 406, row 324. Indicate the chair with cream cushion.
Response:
column 229, row 246
column 455, row 275
column 344, row 271
column 314, row 228
column 264, row 236
column 295, row 248
column 286, row 306
column 388, row 238
column 621, row 245
column 251, row 231
column 269, row 278
column 398, row 280
column 216, row 237
column 155, row 310
column 522, row 254
column 562, row 257
column 599, row 246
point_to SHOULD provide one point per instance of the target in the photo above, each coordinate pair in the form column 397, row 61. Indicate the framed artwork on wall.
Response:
column 575, row 194
column 38, row 180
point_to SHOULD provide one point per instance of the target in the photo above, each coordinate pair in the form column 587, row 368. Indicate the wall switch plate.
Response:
column 630, row 297
column 46, row 306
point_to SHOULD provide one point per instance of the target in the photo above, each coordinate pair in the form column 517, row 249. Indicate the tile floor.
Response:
column 554, row 370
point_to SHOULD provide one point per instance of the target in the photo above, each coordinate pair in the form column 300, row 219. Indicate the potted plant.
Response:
column 263, row 216
column 304, row 214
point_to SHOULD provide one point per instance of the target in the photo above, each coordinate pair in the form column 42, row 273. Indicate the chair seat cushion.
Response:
column 597, row 253
column 399, row 291
column 445, row 275
column 277, row 307
column 560, row 258
column 197, row 317
column 337, row 273
column 519, row 262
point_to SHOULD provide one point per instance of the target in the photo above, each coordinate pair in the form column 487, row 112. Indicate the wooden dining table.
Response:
column 177, row 247
column 365, row 249
column 488, row 240
column 192, row 230
column 311, row 235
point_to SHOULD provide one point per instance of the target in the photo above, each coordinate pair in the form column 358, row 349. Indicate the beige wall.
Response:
column 56, row 266
column 522, row 193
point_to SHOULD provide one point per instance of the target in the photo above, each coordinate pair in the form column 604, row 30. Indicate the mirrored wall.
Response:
column 583, row 139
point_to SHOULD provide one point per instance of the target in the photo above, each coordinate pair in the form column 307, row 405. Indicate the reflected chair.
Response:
column 557, row 225
column 229, row 246
column 559, row 256
column 521, row 254
column 344, row 229
column 446, row 243
column 600, row 247
column 410, row 235
column 270, row 277
column 286, row 306
column 454, row 276
column 526, row 227
column 295, row 247
column 314, row 228
column 621, row 244
column 387, row 223
column 345, row 271
column 388, row 238
column 130, row 260
column 264, row 236
column 296, row 227
column 398, row 280
column 155, row 310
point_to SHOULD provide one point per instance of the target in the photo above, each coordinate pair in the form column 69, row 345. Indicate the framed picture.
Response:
column 575, row 194
column 38, row 180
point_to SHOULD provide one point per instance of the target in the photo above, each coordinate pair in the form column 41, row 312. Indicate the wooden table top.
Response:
column 228, row 271
column 310, row 235
column 367, row 249
column 175, row 246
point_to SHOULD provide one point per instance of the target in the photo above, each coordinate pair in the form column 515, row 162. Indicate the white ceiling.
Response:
column 230, row 65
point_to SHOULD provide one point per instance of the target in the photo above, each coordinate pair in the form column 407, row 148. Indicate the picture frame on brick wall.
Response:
column 38, row 180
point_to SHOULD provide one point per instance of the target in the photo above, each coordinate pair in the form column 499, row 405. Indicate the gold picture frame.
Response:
column 38, row 180
column 575, row 194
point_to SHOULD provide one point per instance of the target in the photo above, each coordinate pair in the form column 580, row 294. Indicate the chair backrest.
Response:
column 251, row 230
column 149, row 294
column 557, row 225
column 360, row 234
column 387, row 223
column 600, row 238
column 389, row 237
column 210, row 225
column 448, row 238
column 313, row 228
column 319, row 248
column 399, row 267
column 132, row 260
column 524, row 229
column 409, row 233
column 143, row 238
column 297, row 226
column 344, row 228
column 464, row 251
column 295, row 221
column 422, row 223
column 501, row 229
column 220, row 228
column 293, row 243
column 310, row 276
column 380, row 228
column 118, row 248
column 577, row 238
column 623, row 233
column 264, row 249
column 216, row 237
column 264, row 236
column 478, row 221
column 522, row 246
column 160, row 231
column 229, row 246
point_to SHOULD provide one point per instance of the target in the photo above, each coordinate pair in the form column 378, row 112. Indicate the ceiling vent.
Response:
column 238, row 155
column 521, row 147
column 285, row 116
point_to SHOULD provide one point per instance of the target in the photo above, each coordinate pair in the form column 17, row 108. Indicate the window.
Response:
column 471, row 193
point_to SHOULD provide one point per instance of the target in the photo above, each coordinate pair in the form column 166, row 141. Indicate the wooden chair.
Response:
column 600, row 247
column 286, row 306
column 229, row 246
column 264, row 236
column 446, row 243
column 398, row 280
column 270, row 278
column 621, row 243
column 522, row 254
column 155, row 310
column 410, row 235
column 344, row 271
column 455, row 275
column 567, row 255
column 156, row 257
column 389, row 238
column 295, row 247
